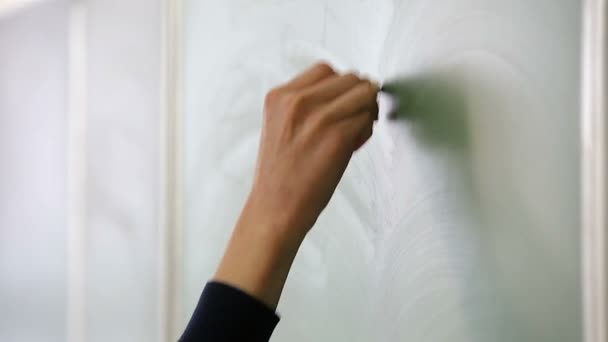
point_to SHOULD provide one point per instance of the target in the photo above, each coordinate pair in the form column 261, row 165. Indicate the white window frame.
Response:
column 594, row 141
column 170, row 273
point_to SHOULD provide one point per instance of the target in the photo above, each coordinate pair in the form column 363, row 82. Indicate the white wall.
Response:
column 33, row 165
column 122, row 166
column 61, row 278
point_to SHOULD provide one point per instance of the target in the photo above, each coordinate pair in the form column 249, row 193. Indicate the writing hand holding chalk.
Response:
column 311, row 127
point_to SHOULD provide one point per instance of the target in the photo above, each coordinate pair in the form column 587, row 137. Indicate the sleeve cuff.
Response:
column 225, row 313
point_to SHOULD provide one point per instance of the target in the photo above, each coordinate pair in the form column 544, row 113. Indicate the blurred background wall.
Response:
column 33, row 173
column 79, row 170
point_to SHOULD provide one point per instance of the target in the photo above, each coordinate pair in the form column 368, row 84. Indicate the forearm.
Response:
column 311, row 127
column 259, row 255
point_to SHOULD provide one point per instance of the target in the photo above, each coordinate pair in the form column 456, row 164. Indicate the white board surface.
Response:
column 459, row 220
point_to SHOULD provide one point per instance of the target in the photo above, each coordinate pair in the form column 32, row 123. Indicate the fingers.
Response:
column 343, row 106
column 364, row 137
column 332, row 87
column 375, row 109
column 361, row 97
column 311, row 76
column 344, row 94
column 356, row 129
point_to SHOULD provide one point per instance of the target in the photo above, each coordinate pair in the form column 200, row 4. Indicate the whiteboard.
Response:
column 459, row 220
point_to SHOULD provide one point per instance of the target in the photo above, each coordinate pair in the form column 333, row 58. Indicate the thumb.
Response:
column 358, row 128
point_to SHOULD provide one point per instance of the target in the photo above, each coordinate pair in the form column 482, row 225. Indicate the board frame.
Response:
column 594, row 162
column 170, row 273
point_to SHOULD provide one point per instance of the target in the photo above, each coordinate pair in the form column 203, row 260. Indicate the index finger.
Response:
column 311, row 76
column 362, row 96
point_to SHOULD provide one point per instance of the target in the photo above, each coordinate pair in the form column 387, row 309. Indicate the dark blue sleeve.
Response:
column 227, row 314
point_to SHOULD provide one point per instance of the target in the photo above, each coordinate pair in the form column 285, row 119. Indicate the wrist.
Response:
column 259, row 254
column 277, row 224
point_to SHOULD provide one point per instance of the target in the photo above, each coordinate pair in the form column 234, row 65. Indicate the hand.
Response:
column 312, row 126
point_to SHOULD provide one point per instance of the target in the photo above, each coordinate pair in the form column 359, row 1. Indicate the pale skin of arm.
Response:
column 312, row 125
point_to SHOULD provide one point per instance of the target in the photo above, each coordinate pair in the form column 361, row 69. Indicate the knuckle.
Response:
column 273, row 97
column 351, row 77
column 367, row 90
column 365, row 86
column 371, row 87
column 297, row 102
column 319, row 122
column 324, row 68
